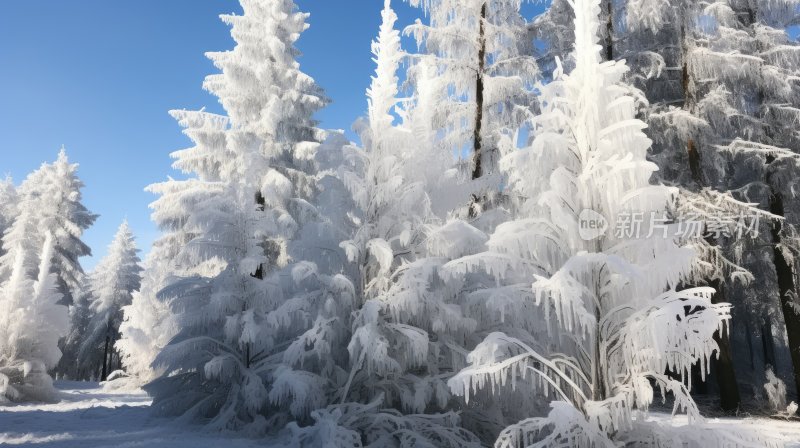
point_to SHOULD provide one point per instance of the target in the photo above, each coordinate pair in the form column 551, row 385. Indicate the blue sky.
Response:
column 99, row 77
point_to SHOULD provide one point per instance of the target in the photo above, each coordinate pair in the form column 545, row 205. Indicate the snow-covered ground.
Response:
column 90, row 417
column 786, row 431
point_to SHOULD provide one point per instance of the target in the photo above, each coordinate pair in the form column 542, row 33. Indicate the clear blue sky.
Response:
column 99, row 76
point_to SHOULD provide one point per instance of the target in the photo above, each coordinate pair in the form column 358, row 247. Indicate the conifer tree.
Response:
column 245, row 318
column 31, row 323
column 397, row 250
column 147, row 324
column 8, row 207
column 406, row 326
column 50, row 202
column 621, row 320
column 111, row 286
column 481, row 51
column 80, row 314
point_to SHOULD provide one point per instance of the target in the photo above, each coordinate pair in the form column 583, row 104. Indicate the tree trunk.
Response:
column 785, row 274
column 729, row 398
column 767, row 344
column 247, row 356
column 598, row 380
column 477, row 137
column 689, row 104
column 750, row 349
column 104, row 373
column 609, row 40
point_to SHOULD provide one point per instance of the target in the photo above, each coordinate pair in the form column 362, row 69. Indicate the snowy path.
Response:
column 89, row 417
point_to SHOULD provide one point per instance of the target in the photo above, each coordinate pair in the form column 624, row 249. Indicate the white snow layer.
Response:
column 89, row 416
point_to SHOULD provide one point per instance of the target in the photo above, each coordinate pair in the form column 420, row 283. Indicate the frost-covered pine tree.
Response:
column 31, row 324
column 147, row 325
column 405, row 326
column 50, row 202
column 402, row 305
column 8, row 206
column 111, row 285
column 480, row 54
column 620, row 326
column 257, row 315
column 666, row 45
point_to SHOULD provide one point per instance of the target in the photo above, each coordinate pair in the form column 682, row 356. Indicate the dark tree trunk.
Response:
column 261, row 204
column 609, row 41
column 785, row 274
column 729, row 398
column 767, row 344
column 750, row 349
column 104, row 372
column 477, row 137
column 689, row 104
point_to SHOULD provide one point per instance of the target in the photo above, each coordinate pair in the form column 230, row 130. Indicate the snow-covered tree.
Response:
column 405, row 327
column 481, row 54
column 688, row 58
column 80, row 314
column 716, row 97
column 8, row 206
column 402, row 307
column 50, row 202
column 111, row 285
column 619, row 324
column 148, row 325
column 254, row 318
column 31, row 323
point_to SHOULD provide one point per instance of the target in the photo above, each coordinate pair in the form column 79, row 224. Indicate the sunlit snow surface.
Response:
column 89, row 417
column 782, row 429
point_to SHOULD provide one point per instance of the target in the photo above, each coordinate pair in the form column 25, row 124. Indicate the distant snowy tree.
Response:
column 618, row 322
column 8, row 207
column 50, row 201
column 146, row 327
column 31, row 323
column 80, row 314
column 111, row 285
